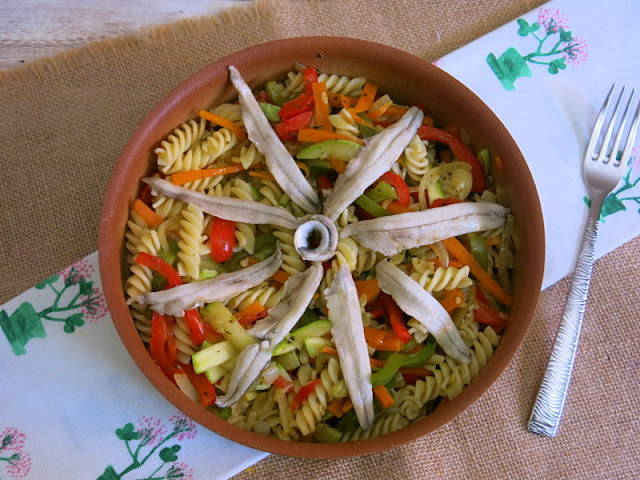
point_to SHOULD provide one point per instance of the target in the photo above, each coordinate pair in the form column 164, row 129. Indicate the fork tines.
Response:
column 608, row 151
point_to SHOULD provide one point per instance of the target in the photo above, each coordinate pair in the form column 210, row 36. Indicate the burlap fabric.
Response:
column 65, row 120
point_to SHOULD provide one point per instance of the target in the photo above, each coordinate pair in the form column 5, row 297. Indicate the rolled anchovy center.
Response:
column 314, row 240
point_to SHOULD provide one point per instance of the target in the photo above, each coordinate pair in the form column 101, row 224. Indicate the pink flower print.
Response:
column 12, row 439
column 183, row 427
column 19, row 466
column 552, row 20
column 180, row 470
column 82, row 269
column 94, row 306
column 152, row 430
column 18, row 462
column 577, row 51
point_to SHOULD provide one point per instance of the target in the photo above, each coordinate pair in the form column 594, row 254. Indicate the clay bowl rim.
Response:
column 184, row 101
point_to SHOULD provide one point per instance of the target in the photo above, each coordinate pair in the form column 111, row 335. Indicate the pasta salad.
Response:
column 316, row 262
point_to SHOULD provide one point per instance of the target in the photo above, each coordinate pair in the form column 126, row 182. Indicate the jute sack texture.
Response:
column 65, row 120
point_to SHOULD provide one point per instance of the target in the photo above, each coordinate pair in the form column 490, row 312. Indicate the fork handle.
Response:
column 549, row 404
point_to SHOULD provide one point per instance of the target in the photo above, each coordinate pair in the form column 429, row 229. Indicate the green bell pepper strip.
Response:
column 485, row 160
column 478, row 248
column 274, row 92
column 371, row 207
column 270, row 111
column 398, row 360
column 366, row 130
column 381, row 192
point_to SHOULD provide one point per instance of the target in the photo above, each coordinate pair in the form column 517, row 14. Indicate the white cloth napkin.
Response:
column 549, row 103
column 74, row 405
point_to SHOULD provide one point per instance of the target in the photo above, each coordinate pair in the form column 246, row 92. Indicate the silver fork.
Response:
column 602, row 170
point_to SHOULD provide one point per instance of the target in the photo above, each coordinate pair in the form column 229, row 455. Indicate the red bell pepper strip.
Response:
column 439, row 202
column 396, row 318
column 205, row 389
column 287, row 129
column 163, row 345
column 223, row 238
column 399, row 185
column 488, row 316
column 303, row 394
column 191, row 317
column 310, row 75
column 459, row 150
column 303, row 103
column 323, row 182
column 159, row 265
column 281, row 382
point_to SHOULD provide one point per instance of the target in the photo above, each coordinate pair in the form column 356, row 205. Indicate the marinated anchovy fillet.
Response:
column 298, row 291
column 417, row 302
column 271, row 330
column 371, row 161
column 176, row 300
column 390, row 235
column 280, row 162
column 348, row 335
column 226, row 208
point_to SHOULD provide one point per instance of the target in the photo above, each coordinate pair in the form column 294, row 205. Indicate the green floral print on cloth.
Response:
column 556, row 47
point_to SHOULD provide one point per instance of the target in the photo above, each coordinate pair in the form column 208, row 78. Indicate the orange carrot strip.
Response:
column 453, row 130
column 305, row 169
column 383, row 396
column 378, row 112
column 366, row 99
column 254, row 309
column 493, row 241
column 329, row 351
column 185, row 177
column 499, row 164
column 312, row 135
column 390, row 343
column 376, row 363
column 452, row 299
column 457, row 250
column 252, row 260
column 151, row 218
column 348, row 405
column 452, row 263
column 341, row 101
column 337, row 165
column 395, row 208
column 223, row 122
column 281, row 276
column 335, row 407
column 369, row 288
column 373, row 335
column 322, row 108
column 263, row 175
column 396, row 111
column 416, row 371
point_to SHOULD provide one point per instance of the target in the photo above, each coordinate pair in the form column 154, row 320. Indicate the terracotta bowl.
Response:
column 408, row 80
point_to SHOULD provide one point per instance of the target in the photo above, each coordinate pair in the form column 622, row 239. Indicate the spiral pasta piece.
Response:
column 417, row 158
column 292, row 262
column 383, row 425
column 191, row 233
column 184, row 344
column 218, row 143
column 266, row 296
column 176, row 144
column 248, row 156
column 230, row 111
column 343, row 85
column 344, row 123
column 444, row 278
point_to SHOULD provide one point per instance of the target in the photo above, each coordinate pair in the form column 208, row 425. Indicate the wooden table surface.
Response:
column 30, row 29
